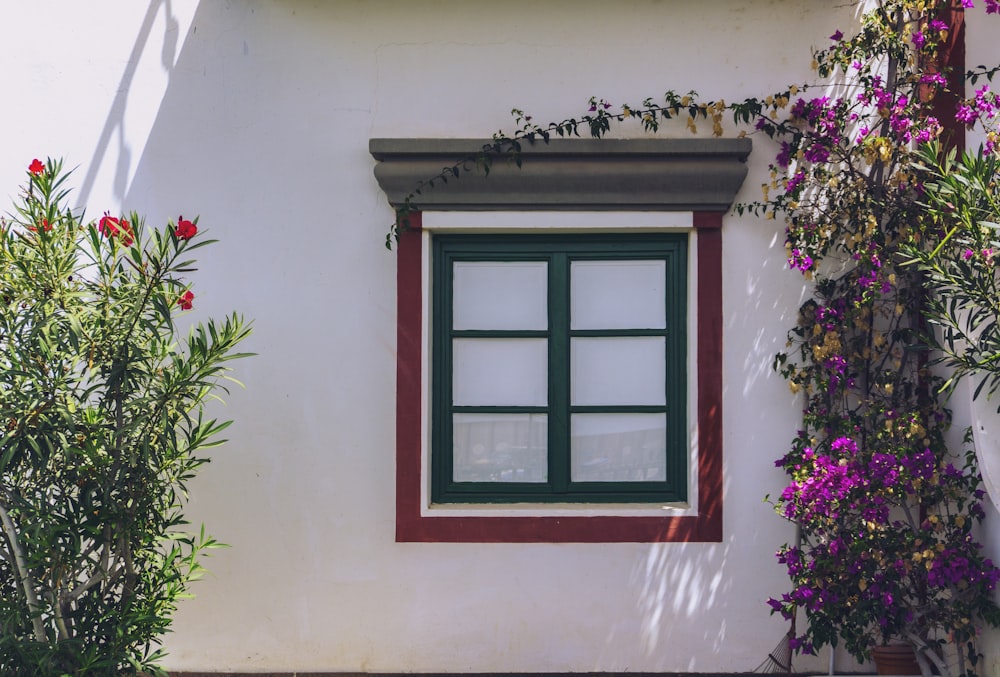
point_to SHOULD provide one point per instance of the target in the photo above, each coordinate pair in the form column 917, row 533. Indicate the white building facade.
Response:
column 268, row 119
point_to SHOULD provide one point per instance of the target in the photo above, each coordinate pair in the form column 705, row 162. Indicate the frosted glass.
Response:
column 500, row 295
column 498, row 371
column 618, row 447
column 500, row 448
column 618, row 294
column 621, row 370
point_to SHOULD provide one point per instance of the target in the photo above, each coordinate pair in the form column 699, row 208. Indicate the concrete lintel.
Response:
column 653, row 174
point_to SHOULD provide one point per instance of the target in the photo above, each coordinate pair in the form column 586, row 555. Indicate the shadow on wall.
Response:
column 722, row 588
column 680, row 584
column 114, row 125
column 245, row 138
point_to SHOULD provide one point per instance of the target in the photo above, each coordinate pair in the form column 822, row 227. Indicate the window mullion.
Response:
column 676, row 382
column 443, row 464
column 559, row 370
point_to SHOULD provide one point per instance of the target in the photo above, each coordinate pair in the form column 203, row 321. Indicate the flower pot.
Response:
column 895, row 659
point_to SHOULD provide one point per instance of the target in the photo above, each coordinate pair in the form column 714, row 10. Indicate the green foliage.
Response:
column 102, row 424
column 958, row 258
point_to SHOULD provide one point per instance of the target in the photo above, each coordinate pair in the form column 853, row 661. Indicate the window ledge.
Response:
column 557, row 510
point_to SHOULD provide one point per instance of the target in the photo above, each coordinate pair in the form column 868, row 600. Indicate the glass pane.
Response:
column 618, row 448
column 498, row 372
column 623, row 370
column 500, row 447
column 618, row 294
column 500, row 295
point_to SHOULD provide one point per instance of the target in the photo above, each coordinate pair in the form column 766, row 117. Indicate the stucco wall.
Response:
column 982, row 48
column 257, row 115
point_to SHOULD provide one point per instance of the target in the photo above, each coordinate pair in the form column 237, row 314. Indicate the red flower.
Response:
column 36, row 167
column 185, row 300
column 46, row 226
column 185, row 229
column 110, row 226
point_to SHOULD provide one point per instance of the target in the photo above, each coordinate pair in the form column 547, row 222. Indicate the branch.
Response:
column 925, row 652
column 62, row 632
column 21, row 566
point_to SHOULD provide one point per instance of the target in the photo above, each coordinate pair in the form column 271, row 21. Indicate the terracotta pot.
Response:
column 895, row 659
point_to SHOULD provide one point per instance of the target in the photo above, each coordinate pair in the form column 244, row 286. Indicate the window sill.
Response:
column 557, row 510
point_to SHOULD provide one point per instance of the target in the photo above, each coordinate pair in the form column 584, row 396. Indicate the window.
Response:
column 696, row 179
column 559, row 368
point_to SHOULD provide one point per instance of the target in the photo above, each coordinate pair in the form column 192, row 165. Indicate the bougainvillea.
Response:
column 886, row 549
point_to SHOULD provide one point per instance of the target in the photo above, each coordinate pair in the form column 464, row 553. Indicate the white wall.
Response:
column 257, row 115
column 982, row 48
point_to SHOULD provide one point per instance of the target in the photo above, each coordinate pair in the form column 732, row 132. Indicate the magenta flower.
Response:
column 785, row 156
column 965, row 114
column 817, row 153
column 800, row 261
column 795, row 182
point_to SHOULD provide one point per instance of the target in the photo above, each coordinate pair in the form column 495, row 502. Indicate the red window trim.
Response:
column 413, row 526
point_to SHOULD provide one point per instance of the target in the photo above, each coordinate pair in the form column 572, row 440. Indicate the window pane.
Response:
column 500, row 447
column 500, row 295
column 618, row 294
column 623, row 370
column 618, row 448
column 500, row 372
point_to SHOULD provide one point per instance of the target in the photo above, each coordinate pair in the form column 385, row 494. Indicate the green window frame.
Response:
column 653, row 470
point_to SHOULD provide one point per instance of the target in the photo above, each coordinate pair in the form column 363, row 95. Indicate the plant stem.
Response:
column 34, row 608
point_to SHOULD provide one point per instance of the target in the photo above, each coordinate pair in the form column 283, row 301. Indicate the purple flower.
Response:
column 884, row 468
column 930, row 131
column 918, row 39
column 965, row 114
column 800, row 261
column 845, row 445
column 901, row 125
column 837, row 36
column 817, row 153
column 785, row 156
